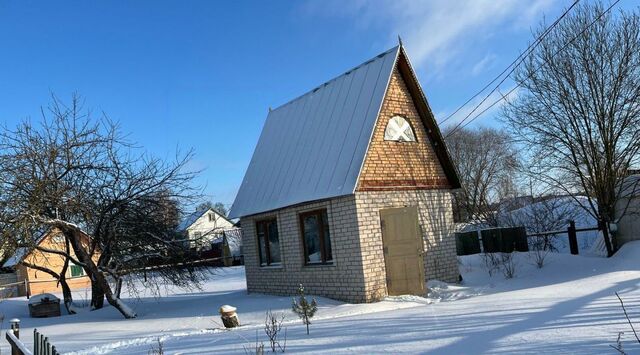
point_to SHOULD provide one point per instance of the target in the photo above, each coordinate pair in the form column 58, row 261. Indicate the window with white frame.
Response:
column 399, row 130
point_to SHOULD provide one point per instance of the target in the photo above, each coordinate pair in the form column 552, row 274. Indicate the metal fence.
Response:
column 492, row 240
column 506, row 240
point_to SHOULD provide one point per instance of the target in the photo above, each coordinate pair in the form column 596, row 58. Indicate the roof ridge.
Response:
column 371, row 60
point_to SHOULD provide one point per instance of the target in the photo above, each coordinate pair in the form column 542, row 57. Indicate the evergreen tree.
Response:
column 303, row 308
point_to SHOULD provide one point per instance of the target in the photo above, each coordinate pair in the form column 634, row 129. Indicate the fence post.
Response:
column 573, row 238
column 15, row 329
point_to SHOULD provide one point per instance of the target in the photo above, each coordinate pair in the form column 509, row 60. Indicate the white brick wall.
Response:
column 358, row 272
column 436, row 224
column 343, row 280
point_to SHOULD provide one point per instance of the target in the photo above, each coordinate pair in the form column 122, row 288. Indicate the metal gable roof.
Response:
column 313, row 147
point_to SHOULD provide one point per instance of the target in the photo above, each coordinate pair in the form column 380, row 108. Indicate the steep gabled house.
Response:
column 349, row 190
column 203, row 228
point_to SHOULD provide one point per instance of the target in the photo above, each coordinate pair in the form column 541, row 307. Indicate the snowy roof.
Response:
column 189, row 220
column 193, row 217
column 20, row 253
column 43, row 297
column 16, row 258
column 313, row 147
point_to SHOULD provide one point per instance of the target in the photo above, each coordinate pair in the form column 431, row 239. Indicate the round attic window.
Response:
column 399, row 130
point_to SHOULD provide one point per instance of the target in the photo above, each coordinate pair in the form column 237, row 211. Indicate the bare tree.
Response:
column 272, row 328
column 81, row 177
column 486, row 161
column 216, row 206
column 578, row 113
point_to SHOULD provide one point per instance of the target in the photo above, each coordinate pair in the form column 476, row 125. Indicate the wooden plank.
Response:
column 17, row 347
column 403, row 250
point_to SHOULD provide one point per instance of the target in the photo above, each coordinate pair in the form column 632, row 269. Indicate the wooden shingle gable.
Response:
column 428, row 119
column 418, row 159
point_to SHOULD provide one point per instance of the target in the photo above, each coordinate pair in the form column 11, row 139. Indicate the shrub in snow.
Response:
column 495, row 262
column 618, row 346
column 157, row 349
column 508, row 264
column 491, row 262
column 256, row 349
column 272, row 327
column 538, row 251
column 303, row 308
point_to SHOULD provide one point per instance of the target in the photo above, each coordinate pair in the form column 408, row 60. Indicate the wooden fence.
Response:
column 41, row 344
column 12, row 289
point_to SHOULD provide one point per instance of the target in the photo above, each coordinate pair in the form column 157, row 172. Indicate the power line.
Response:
column 515, row 63
column 518, row 84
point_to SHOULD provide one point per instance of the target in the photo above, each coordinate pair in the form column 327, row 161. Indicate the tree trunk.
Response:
column 67, row 295
column 118, row 287
column 62, row 281
column 603, row 224
column 99, row 285
column 97, row 295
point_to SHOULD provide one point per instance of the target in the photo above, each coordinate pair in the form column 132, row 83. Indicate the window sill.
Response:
column 267, row 267
column 314, row 265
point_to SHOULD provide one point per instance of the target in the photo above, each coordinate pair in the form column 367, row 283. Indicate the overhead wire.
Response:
column 462, row 124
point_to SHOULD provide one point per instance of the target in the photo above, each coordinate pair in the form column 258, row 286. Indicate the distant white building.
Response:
column 204, row 228
column 628, row 211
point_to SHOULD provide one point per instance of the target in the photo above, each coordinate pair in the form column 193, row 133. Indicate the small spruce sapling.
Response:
column 303, row 308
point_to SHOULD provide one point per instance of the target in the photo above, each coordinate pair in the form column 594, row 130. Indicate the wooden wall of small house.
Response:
column 41, row 282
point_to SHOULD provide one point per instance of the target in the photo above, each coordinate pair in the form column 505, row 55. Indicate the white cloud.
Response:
column 436, row 31
column 484, row 64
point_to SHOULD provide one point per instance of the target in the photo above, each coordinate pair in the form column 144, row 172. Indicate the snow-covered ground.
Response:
column 568, row 306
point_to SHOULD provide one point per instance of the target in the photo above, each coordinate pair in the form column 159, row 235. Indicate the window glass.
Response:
column 398, row 129
column 312, row 238
column 261, row 246
column 76, row 270
column 316, row 237
column 58, row 238
column 268, row 242
column 274, row 242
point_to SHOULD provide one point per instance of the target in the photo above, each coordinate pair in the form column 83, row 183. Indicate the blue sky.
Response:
column 202, row 74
